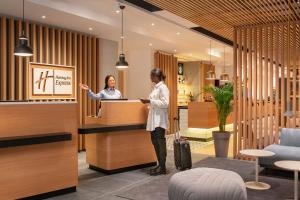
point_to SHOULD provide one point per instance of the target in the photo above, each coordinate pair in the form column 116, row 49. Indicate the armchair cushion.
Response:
column 281, row 153
column 290, row 137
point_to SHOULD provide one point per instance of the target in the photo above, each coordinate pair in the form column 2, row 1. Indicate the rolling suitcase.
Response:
column 182, row 150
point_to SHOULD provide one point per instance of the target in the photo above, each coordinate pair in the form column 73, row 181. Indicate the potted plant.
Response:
column 222, row 98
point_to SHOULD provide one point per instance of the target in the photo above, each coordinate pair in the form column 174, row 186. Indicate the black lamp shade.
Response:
column 23, row 49
column 122, row 63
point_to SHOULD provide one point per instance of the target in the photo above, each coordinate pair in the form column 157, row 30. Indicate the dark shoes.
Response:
column 158, row 170
column 153, row 169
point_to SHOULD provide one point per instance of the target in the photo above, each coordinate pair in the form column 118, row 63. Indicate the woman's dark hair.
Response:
column 159, row 74
column 106, row 80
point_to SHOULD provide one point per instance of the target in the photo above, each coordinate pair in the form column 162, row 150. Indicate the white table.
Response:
column 256, row 185
column 292, row 166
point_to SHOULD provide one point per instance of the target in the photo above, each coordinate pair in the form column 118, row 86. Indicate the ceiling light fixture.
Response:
column 152, row 24
column 210, row 75
column 23, row 49
column 178, row 33
column 122, row 63
column 224, row 76
column 150, row 44
column 43, row 17
column 117, row 11
column 90, row 29
column 175, row 50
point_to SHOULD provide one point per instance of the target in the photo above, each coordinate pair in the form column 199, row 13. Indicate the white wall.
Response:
column 137, row 76
column 108, row 58
column 192, row 72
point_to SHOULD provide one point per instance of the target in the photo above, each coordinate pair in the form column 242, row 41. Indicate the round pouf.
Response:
column 207, row 184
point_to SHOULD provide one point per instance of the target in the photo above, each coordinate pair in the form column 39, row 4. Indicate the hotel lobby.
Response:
column 149, row 99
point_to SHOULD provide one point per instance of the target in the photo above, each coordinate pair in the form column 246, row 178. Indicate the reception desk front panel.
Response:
column 118, row 140
column 38, row 151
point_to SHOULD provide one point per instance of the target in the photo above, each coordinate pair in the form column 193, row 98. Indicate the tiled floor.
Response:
column 97, row 186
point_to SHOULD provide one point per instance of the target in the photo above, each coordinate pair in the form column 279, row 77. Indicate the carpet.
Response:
column 157, row 188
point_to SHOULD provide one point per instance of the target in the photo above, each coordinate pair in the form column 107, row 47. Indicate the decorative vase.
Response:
column 221, row 141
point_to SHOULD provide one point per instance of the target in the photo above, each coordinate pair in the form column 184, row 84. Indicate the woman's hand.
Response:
column 144, row 101
column 84, row 86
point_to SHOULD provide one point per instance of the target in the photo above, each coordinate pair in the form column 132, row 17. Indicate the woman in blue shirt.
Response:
column 109, row 91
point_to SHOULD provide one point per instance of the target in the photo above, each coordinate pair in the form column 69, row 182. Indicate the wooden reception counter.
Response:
column 118, row 141
column 204, row 115
column 38, row 149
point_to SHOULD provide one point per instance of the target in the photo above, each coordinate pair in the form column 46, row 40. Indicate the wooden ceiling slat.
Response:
column 221, row 17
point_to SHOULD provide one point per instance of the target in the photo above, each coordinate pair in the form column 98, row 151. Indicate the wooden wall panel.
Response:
column 3, row 70
column 19, row 68
column 266, row 77
column 89, row 75
column 168, row 63
column 52, row 46
column 12, row 69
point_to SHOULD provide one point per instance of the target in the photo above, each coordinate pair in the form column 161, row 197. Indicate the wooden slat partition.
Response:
column 52, row 46
column 168, row 63
column 235, row 91
column 266, row 76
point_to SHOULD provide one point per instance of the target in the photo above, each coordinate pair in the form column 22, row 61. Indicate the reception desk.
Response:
column 117, row 141
column 204, row 115
column 38, row 149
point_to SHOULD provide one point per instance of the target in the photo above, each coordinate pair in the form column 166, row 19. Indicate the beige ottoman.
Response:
column 207, row 184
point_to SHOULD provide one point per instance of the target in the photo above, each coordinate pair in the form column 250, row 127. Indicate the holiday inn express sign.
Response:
column 51, row 81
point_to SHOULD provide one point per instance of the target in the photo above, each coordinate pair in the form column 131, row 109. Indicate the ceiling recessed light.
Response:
column 118, row 11
column 44, row 17
column 150, row 44
column 90, row 29
column 178, row 33
column 122, row 37
column 152, row 24
column 175, row 50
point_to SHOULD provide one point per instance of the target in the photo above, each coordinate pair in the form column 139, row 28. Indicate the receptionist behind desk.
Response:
column 109, row 91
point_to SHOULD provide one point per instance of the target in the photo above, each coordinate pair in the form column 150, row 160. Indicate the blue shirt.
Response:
column 106, row 94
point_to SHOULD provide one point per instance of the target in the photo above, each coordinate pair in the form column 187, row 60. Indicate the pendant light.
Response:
column 23, row 49
column 224, row 77
column 122, row 64
column 210, row 75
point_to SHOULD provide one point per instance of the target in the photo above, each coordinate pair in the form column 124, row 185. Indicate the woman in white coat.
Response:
column 157, row 122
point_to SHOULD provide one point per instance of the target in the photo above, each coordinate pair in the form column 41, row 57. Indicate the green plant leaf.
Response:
column 222, row 98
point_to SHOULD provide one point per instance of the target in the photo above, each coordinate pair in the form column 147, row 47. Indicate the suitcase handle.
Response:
column 176, row 128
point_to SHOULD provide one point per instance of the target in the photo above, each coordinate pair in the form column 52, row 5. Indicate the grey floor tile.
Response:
column 98, row 186
column 81, row 194
column 112, row 197
column 104, row 184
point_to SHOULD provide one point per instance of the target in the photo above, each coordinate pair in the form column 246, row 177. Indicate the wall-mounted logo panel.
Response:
column 51, row 81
